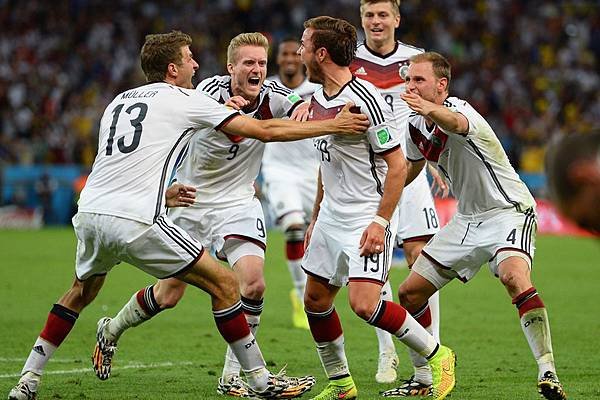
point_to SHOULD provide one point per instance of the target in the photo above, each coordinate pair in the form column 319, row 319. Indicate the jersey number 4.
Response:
column 136, row 123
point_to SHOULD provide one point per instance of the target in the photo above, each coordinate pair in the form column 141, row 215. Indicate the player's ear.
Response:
column 230, row 68
column 172, row 70
column 398, row 18
column 443, row 85
column 321, row 53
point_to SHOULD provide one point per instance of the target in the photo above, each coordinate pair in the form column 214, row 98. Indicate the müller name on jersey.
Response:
column 135, row 94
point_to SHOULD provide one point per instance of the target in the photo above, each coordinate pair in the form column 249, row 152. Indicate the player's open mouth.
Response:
column 376, row 30
column 254, row 81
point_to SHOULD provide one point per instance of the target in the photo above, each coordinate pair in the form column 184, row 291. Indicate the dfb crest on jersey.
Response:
column 403, row 69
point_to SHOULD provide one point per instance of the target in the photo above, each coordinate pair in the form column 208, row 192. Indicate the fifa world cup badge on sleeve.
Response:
column 383, row 136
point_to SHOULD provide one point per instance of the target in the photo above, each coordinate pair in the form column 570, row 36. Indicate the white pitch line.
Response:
column 128, row 366
column 54, row 360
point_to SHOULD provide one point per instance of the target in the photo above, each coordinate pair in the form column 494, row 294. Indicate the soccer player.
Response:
column 381, row 60
column 122, row 207
column 228, row 217
column 290, row 173
column 349, row 240
column 573, row 171
column 496, row 219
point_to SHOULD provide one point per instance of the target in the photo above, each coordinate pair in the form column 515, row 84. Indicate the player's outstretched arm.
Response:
column 372, row 240
column 449, row 121
column 278, row 130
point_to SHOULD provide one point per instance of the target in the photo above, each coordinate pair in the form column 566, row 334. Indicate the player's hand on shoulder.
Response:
column 372, row 240
column 180, row 195
column 301, row 112
column 350, row 122
column 237, row 102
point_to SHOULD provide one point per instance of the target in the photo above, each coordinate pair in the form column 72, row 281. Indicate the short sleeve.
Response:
column 204, row 111
column 283, row 100
column 457, row 105
column 383, row 137
column 211, row 87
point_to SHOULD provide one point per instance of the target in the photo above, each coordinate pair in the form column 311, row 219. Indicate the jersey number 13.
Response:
column 136, row 123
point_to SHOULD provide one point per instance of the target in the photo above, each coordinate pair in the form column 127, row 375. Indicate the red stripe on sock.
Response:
column 530, row 304
column 294, row 250
column 425, row 318
column 393, row 317
column 142, row 302
column 56, row 329
column 325, row 329
column 234, row 328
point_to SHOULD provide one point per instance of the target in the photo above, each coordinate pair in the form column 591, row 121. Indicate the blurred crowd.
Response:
column 530, row 67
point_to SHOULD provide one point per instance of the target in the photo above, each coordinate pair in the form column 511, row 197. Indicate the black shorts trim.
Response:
column 190, row 265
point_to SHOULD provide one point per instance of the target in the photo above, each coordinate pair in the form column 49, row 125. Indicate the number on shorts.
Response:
column 431, row 218
column 512, row 236
column 136, row 123
column 233, row 151
column 373, row 259
column 261, row 228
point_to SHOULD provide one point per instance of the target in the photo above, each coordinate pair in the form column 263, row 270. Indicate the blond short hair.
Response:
column 439, row 63
column 394, row 3
column 245, row 39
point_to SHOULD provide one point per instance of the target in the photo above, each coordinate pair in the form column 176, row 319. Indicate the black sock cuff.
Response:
column 153, row 306
column 251, row 306
column 64, row 313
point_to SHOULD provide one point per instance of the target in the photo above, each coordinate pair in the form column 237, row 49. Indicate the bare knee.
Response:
column 314, row 302
column 362, row 307
column 254, row 289
column 411, row 299
column 516, row 281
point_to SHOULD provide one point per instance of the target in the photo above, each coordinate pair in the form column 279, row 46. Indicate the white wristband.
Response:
column 381, row 221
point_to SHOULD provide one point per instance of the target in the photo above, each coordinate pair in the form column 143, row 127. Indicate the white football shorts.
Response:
column 213, row 226
column 288, row 196
column 418, row 219
column 461, row 247
column 333, row 253
column 162, row 249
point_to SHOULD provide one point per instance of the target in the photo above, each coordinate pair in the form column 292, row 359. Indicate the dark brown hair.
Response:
column 336, row 35
column 160, row 50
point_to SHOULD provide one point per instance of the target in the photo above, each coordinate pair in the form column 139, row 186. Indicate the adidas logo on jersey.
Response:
column 360, row 71
column 39, row 349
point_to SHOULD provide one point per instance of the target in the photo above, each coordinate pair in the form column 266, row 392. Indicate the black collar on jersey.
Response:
column 329, row 98
column 382, row 55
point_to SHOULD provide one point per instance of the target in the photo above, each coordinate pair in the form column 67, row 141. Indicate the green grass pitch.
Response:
column 178, row 355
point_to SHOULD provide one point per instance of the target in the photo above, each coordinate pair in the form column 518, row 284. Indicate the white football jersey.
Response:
column 224, row 167
column 292, row 159
column 143, row 134
column 352, row 168
column 474, row 165
column 387, row 73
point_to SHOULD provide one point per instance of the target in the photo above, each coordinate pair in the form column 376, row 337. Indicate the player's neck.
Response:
column 293, row 81
column 381, row 48
column 335, row 78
